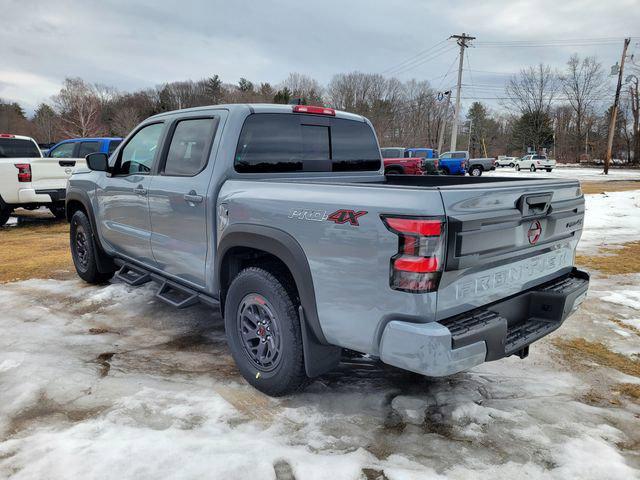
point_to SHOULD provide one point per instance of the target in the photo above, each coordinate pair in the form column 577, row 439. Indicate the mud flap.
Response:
column 318, row 358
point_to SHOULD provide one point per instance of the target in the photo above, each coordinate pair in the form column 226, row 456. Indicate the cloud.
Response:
column 140, row 44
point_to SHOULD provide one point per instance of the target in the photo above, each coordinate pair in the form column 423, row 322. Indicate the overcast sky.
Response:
column 137, row 44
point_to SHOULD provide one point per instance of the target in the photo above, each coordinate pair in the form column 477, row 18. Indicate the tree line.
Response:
column 563, row 112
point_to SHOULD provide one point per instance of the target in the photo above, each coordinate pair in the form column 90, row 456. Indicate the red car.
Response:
column 395, row 163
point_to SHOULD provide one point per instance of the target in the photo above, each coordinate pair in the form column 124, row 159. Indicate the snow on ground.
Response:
column 580, row 173
column 611, row 218
column 107, row 382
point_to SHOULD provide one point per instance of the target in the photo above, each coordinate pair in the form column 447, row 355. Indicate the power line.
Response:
column 433, row 56
column 412, row 58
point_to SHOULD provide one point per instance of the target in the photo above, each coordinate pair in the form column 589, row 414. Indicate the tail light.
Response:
column 313, row 110
column 24, row 172
column 418, row 265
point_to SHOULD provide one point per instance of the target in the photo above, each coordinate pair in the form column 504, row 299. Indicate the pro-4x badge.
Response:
column 344, row 216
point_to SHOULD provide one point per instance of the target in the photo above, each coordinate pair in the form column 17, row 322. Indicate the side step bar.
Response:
column 172, row 293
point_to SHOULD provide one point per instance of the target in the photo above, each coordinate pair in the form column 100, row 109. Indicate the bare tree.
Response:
column 303, row 86
column 79, row 108
column 583, row 84
column 533, row 89
column 124, row 120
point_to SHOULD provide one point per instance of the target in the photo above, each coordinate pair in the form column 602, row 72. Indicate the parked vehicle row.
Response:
column 29, row 179
column 532, row 162
column 281, row 216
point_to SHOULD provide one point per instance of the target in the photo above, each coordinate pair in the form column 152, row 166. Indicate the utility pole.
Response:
column 614, row 110
column 443, row 122
column 462, row 41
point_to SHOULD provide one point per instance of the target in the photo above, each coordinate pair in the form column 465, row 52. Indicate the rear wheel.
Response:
column 446, row 171
column 512, row 165
column 264, row 334
column 532, row 168
column 83, row 251
column 475, row 171
column 548, row 169
column 5, row 214
column 393, row 171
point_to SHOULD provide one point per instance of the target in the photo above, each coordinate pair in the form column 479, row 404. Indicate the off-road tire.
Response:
column 83, row 250
column 288, row 375
column 5, row 214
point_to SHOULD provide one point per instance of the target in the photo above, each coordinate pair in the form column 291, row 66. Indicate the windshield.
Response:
column 18, row 148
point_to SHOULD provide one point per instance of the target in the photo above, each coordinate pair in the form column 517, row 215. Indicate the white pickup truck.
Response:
column 535, row 162
column 29, row 180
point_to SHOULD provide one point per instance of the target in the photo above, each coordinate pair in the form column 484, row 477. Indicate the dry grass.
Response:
column 625, row 326
column 631, row 390
column 35, row 251
column 614, row 261
column 612, row 186
column 578, row 350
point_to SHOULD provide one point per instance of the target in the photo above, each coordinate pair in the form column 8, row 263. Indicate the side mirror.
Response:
column 98, row 161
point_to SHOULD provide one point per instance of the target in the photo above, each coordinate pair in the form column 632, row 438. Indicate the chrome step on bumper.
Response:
column 505, row 328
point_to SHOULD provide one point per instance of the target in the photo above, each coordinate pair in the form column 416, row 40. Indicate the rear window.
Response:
column 539, row 157
column 18, row 148
column 458, row 155
column 393, row 152
column 272, row 142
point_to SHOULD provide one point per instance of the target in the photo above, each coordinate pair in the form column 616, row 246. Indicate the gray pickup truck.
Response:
column 282, row 216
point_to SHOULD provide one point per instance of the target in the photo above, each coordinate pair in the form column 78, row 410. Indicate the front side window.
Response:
column 18, row 148
column 88, row 147
column 63, row 151
column 140, row 152
column 189, row 150
column 393, row 153
column 272, row 142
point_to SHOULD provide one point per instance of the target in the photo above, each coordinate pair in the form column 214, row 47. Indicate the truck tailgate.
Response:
column 52, row 173
column 503, row 239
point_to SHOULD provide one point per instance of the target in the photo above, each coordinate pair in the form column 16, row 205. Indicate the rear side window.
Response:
column 18, row 148
column 88, row 147
column 539, row 157
column 393, row 152
column 189, row 146
column 272, row 142
column 113, row 144
column 458, row 155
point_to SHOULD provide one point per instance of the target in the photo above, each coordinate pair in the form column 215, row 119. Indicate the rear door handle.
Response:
column 140, row 190
column 193, row 197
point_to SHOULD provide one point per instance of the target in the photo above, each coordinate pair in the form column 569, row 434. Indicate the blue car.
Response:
column 81, row 147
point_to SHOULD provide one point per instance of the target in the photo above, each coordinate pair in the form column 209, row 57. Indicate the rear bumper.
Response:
column 505, row 328
column 32, row 196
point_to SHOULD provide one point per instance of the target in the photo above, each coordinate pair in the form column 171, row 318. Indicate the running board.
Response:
column 133, row 276
column 170, row 292
column 177, row 295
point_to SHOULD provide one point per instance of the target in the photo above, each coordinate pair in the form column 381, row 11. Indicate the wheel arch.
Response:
column 240, row 240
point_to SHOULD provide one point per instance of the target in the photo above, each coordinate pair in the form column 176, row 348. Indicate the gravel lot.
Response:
column 107, row 382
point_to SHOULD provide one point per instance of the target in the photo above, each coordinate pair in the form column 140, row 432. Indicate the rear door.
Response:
column 179, row 205
column 506, row 238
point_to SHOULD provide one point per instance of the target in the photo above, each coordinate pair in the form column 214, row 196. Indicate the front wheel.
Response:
column 264, row 333
column 548, row 169
column 83, row 250
column 475, row 171
column 512, row 165
column 517, row 168
column 532, row 168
